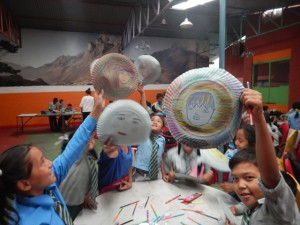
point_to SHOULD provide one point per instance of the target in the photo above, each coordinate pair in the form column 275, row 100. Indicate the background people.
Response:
column 52, row 106
column 86, row 104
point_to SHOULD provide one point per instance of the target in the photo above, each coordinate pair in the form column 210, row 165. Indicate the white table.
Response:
column 159, row 191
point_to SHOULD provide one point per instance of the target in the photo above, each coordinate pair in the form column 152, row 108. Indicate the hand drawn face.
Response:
column 125, row 123
column 200, row 108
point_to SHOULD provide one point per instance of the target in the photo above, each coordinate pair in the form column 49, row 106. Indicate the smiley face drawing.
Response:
column 200, row 108
column 126, row 121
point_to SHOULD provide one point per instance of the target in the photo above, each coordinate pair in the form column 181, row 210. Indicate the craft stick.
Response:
column 127, row 222
column 204, row 214
column 197, row 202
column 249, row 110
column 134, row 208
column 128, row 204
column 194, row 221
column 146, row 202
column 170, row 217
column 153, row 210
column 147, row 216
column 155, row 220
column 117, row 215
column 193, row 210
column 172, row 199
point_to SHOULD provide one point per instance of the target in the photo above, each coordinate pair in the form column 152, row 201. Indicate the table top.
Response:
column 159, row 192
column 47, row 114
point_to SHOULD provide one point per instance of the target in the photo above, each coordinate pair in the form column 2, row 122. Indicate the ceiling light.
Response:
column 189, row 4
column 186, row 24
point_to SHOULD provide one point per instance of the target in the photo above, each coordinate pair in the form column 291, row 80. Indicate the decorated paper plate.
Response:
column 116, row 75
column 126, row 121
column 148, row 69
column 202, row 107
column 215, row 159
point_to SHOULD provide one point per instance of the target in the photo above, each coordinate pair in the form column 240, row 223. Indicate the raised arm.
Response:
column 143, row 96
column 265, row 153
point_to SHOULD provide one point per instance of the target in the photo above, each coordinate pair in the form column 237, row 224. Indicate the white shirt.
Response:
column 87, row 103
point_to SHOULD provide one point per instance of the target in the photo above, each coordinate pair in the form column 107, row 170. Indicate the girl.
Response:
column 244, row 139
column 29, row 182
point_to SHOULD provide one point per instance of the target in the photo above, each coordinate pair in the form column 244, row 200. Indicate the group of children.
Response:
column 27, row 178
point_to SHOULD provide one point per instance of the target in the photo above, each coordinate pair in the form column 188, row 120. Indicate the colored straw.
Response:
column 146, row 202
column 170, row 217
column 153, row 210
column 134, row 208
column 194, row 221
column 249, row 110
column 117, row 215
column 128, row 204
column 172, row 199
column 127, row 222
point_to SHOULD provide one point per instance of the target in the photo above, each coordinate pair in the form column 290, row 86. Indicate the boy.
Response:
column 266, row 198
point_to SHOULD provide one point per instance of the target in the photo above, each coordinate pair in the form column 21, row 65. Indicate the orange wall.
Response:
column 14, row 104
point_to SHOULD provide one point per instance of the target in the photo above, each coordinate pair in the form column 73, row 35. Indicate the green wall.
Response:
column 275, row 95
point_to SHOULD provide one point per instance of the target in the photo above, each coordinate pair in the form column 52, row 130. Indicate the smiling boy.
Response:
column 266, row 197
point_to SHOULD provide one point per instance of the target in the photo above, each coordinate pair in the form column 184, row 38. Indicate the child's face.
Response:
column 245, row 178
column 41, row 175
column 188, row 150
column 157, row 124
column 241, row 141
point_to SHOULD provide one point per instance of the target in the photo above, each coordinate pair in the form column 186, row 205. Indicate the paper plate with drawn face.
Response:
column 126, row 121
column 148, row 69
column 116, row 75
column 202, row 107
column 215, row 159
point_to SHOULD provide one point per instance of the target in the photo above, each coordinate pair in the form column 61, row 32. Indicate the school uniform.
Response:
column 40, row 209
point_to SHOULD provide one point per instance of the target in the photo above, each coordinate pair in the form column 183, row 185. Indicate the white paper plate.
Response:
column 148, row 68
column 215, row 159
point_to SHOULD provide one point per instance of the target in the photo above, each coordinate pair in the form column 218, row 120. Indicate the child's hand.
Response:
column 170, row 177
column 140, row 89
column 125, row 185
column 91, row 144
column 233, row 210
column 88, row 203
column 253, row 99
column 227, row 187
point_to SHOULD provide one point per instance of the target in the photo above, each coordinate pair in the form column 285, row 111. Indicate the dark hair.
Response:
column 15, row 166
column 65, row 142
column 249, row 131
column 159, row 95
column 247, row 155
column 290, row 182
column 159, row 115
column 296, row 107
column 88, row 91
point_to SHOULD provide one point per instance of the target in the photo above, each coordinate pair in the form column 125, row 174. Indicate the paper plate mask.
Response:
column 126, row 121
column 148, row 69
column 202, row 107
column 116, row 75
column 215, row 159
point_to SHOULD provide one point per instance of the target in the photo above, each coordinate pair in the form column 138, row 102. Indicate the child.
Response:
column 244, row 138
column 31, row 181
column 79, row 189
column 257, row 180
column 185, row 161
column 113, row 168
column 146, row 165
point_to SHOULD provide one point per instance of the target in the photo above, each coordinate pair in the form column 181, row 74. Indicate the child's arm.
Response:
column 265, row 153
column 127, row 184
column 143, row 96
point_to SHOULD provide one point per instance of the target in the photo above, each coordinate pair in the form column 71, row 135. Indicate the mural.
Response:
column 73, row 68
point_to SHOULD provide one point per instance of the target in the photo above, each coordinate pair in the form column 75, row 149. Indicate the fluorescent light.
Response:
column 189, row 4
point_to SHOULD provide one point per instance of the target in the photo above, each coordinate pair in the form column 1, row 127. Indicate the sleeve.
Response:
column 74, row 149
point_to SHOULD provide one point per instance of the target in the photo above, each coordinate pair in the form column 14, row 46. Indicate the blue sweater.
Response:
column 39, row 209
column 113, row 169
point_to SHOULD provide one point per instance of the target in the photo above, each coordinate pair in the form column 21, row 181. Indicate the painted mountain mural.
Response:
column 75, row 70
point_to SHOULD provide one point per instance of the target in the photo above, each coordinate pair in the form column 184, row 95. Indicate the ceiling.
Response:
column 111, row 16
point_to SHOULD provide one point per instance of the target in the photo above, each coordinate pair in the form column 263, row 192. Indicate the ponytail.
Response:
column 14, row 166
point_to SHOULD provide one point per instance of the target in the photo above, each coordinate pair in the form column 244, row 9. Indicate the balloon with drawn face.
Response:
column 126, row 121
